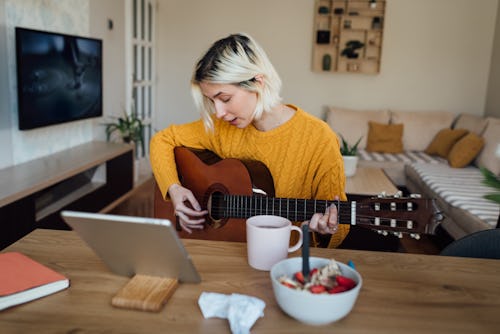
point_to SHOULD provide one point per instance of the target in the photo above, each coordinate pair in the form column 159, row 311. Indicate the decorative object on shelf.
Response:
column 350, row 156
column 338, row 11
column 377, row 22
column 323, row 37
column 373, row 4
column 347, row 24
column 350, row 49
column 130, row 127
column 327, row 62
column 352, row 67
column 323, row 10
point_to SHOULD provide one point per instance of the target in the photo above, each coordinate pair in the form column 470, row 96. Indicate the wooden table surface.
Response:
column 369, row 181
column 401, row 293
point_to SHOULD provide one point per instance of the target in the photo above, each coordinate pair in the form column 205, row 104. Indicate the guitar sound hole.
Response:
column 217, row 206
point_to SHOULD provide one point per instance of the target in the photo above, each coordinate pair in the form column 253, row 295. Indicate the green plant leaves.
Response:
column 491, row 180
column 346, row 149
column 130, row 127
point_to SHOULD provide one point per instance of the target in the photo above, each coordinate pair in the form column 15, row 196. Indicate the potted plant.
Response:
column 130, row 128
column 350, row 156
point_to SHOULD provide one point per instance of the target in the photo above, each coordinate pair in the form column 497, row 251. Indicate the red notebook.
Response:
column 22, row 279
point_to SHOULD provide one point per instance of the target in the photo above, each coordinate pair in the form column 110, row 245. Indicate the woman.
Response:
column 237, row 90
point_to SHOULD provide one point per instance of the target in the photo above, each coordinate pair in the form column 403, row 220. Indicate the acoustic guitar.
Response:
column 233, row 190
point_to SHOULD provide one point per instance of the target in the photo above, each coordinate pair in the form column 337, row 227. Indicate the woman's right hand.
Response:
column 189, row 218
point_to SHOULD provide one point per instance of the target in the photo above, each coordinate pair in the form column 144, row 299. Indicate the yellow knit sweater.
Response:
column 302, row 155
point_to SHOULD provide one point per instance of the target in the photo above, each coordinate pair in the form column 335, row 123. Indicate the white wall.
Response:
column 436, row 54
column 71, row 17
column 5, row 121
column 113, row 56
column 493, row 97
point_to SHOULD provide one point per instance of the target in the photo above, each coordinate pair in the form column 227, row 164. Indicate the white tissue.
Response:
column 241, row 310
column 213, row 305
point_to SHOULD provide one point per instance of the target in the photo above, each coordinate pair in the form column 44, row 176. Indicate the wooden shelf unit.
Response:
column 348, row 36
column 87, row 177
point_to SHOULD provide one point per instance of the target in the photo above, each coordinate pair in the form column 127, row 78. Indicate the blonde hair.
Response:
column 236, row 60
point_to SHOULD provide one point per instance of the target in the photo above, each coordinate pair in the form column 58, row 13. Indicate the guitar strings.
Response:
column 344, row 218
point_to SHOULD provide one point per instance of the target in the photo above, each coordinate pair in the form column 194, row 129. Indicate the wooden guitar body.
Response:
column 204, row 174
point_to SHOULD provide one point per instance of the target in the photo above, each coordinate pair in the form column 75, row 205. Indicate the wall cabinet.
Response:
column 348, row 36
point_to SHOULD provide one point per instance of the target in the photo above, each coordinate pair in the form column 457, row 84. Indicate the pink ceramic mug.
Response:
column 268, row 240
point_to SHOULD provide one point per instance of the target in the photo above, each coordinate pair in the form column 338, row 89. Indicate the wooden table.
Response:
column 369, row 181
column 402, row 293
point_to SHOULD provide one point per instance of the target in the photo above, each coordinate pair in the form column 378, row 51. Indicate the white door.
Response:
column 141, row 82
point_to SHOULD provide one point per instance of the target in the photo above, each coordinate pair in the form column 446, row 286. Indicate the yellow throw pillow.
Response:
column 444, row 140
column 384, row 138
column 465, row 150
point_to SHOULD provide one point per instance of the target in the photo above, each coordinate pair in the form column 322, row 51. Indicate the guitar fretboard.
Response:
column 239, row 206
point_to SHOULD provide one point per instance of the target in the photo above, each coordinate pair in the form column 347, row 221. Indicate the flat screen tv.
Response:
column 59, row 78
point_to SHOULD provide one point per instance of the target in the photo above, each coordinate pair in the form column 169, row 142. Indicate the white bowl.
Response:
column 313, row 309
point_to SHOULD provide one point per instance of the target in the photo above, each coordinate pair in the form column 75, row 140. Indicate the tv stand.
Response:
column 87, row 177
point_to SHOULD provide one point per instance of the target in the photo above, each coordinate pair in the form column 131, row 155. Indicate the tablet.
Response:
column 134, row 245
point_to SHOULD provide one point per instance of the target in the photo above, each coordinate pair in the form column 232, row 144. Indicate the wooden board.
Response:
column 145, row 293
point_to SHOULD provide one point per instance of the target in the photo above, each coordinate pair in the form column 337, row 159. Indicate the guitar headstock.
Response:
column 399, row 215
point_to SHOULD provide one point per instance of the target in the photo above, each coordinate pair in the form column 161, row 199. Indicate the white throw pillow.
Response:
column 352, row 124
column 420, row 127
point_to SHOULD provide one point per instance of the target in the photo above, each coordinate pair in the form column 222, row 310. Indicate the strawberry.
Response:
column 345, row 281
column 318, row 288
column 313, row 272
column 337, row 289
column 288, row 285
column 299, row 277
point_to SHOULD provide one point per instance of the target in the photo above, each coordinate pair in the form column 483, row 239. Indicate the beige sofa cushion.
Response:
column 352, row 124
column 420, row 127
column 473, row 123
column 488, row 158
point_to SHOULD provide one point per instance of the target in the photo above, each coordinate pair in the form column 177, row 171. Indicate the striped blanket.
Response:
column 461, row 188
column 406, row 157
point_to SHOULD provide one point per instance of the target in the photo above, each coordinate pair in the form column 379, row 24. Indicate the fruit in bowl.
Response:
column 319, row 299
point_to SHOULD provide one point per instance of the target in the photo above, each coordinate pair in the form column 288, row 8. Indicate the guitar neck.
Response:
column 239, row 206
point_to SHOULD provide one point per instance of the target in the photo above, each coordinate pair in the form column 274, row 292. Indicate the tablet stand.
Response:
column 145, row 293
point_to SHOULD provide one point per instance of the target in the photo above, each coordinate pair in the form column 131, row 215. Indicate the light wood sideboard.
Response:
column 86, row 177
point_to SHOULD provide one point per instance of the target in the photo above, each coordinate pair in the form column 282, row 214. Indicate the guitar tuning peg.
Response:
column 415, row 236
column 415, row 196
column 399, row 194
column 383, row 232
column 398, row 234
column 383, row 194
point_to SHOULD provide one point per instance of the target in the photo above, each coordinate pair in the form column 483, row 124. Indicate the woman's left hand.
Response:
column 326, row 223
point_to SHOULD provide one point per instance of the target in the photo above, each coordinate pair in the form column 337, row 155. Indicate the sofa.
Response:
column 436, row 154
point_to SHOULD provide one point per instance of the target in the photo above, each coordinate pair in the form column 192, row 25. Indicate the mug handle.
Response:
column 299, row 243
